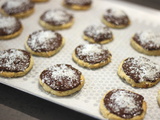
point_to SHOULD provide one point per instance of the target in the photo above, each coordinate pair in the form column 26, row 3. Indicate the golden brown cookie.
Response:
column 17, row 8
column 44, row 43
column 146, row 42
column 56, row 19
column 122, row 104
column 10, row 27
column 77, row 4
column 61, row 80
column 115, row 18
column 15, row 63
column 98, row 34
column 91, row 56
column 139, row 72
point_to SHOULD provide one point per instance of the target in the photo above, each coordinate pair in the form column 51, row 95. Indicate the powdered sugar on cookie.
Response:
column 8, row 24
column 142, row 69
column 58, row 16
column 16, row 3
column 61, row 77
column 13, row 59
column 149, row 37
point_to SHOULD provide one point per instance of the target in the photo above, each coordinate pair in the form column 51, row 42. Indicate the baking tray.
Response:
column 98, row 81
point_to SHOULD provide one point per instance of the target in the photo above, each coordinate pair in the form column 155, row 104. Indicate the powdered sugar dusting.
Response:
column 149, row 37
column 61, row 75
column 126, row 101
column 92, row 53
column 90, row 49
column 8, row 24
column 144, row 69
column 116, row 12
column 42, row 40
column 16, row 3
column 13, row 59
column 57, row 15
column 98, row 30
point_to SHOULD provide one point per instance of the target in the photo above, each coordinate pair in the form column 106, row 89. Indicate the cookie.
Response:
column 39, row 0
column 56, row 19
column 91, row 56
column 10, row 27
column 77, row 4
column 15, row 63
column 17, row 8
column 146, row 42
column 98, row 34
column 44, row 43
column 139, row 72
column 115, row 18
column 158, row 98
column 61, row 80
column 120, row 104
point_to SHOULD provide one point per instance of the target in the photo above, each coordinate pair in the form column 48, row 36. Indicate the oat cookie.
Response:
column 139, row 72
column 146, row 42
column 15, row 63
column 98, row 34
column 17, row 8
column 44, row 43
column 115, row 18
column 91, row 56
column 61, row 80
column 56, row 19
column 10, row 27
column 120, row 104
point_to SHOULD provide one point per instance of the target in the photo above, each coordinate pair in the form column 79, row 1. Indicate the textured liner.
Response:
column 98, row 81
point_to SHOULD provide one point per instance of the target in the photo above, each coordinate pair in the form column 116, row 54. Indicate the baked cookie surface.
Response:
column 10, row 27
column 139, row 72
column 56, row 19
column 61, row 80
column 146, row 42
column 77, row 4
column 15, row 63
column 44, row 43
column 122, row 104
column 115, row 18
column 91, row 56
column 17, row 8
column 98, row 34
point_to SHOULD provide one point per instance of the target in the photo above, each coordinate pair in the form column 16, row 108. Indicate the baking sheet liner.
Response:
column 98, row 81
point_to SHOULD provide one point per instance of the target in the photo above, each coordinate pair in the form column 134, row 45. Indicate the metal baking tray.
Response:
column 98, row 81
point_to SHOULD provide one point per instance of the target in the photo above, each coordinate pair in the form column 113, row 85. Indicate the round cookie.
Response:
column 146, row 42
column 139, row 72
column 44, row 43
column 10, row 27
column 115, row 18
column 17, row 8
column 61, row 80
column 91, row 56
column 15, row 63
column 56, row 19
column 39, row 0
column 98, row 34
column 77, row 4
column 120, row 104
